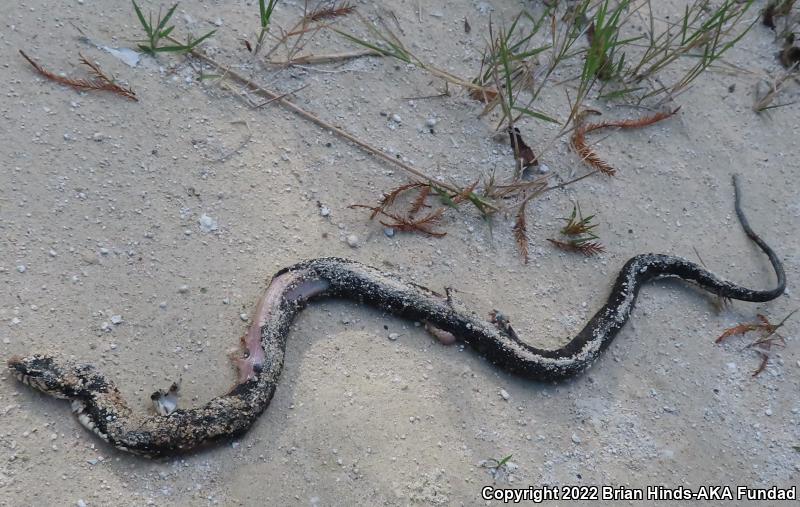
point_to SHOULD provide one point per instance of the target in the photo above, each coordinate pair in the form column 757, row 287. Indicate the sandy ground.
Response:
column 100, row 199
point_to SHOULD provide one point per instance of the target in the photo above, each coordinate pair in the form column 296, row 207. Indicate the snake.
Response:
column 101, row 408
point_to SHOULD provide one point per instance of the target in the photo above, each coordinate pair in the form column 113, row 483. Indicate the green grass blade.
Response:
column 536, row 114
column 166, row 32
column 194, row 43
column 165, row 19
column 148, row 30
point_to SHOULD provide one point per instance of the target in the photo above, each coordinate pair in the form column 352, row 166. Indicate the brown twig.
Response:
column 405, row 224
column 334, row 11
column 521, row 232
column 587, row 248
column 762, row 346
column 588, row 155
column 333, row 57
column 389, row 197
column 100, row 81
column 419, row 202
column 632, row 123
column 322, row 123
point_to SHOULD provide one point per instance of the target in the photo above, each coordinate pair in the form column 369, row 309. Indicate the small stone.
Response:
column 393, row 336
column 89, row 258
column 576, row 439
column 768, row 412
column 15, row 321
column 105, row 326
column 162, row 305
column 504, row 394
column 116, row 319
column 243, row 316
column 207, row 223
column 389, row 232
column 104, row 251
column 430, row 122
column 226, row 301
column 80, row 502
column 183, row 289
column 22, row 268
column 52, row 253
column 352, row 240
column 396, row 118
column 543, row 169
column 53, row 436
column 324, row 211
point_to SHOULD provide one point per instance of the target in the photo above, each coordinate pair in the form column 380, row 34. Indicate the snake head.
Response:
column 40, row 372
column 55, row 377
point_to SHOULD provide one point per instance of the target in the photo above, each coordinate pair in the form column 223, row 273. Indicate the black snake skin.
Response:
column 99, row 406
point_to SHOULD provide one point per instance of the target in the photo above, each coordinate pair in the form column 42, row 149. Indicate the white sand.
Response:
column 359, row 418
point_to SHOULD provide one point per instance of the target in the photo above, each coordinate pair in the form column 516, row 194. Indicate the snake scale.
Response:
column 101, row 408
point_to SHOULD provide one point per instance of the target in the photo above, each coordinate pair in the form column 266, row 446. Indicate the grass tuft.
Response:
column 159, row 30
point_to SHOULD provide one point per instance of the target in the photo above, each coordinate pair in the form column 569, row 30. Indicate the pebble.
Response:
column 183, row 289
column 207, row 223
column 431, row 122
column 396, row 118
column 393, row 336
column 162, row 305
column 104, row 251
column 768, row 411
column 52, row 253
column 105, row 326
column 389, row 232
column 504, row 394
column 243, row 316
column 89, row 258
column 22, row 268
column 116, row 319
column 543, row 169
column 324, row 211
column 352, row 240
column 576, row 439
column 80, row 502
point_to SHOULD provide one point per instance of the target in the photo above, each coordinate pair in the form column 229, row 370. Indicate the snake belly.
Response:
column 99, row 406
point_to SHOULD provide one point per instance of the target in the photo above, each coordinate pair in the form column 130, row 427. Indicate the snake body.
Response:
column 100, row 407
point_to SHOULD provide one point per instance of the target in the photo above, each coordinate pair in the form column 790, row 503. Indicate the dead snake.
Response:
column 101, row 408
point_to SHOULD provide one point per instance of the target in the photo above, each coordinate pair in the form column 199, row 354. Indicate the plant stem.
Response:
column 276, row 97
